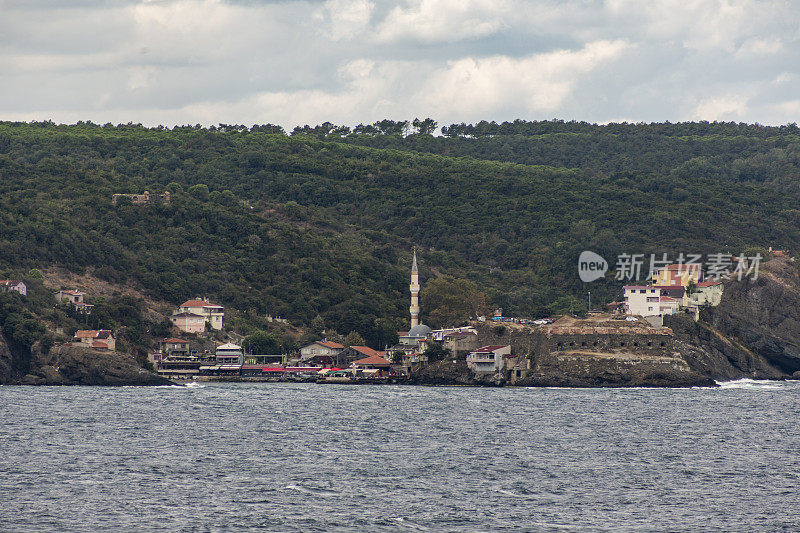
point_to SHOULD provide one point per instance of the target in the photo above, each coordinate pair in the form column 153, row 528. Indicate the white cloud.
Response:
column 536, row 83
column 345, row 19
column 756, row 47
column 351, row 61
column 434, row 21
column 727, row 107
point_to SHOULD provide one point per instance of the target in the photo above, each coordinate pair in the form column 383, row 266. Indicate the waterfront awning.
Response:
column 209, row 368
column 230, row 367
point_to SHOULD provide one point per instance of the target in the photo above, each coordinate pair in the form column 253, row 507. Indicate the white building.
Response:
column 8, row 285
column 642, row 300
column 489, row 359
column 229, row 354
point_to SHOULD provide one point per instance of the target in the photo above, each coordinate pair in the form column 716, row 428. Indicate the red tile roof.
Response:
column 173, row 340
column 99, row 344
column 709, row 283
column 199, row 303
column 491, row 348
column 331, row 344
column 366, row 350
column 373, row 360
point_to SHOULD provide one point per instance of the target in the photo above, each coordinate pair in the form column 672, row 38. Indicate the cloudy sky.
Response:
column 293, row 62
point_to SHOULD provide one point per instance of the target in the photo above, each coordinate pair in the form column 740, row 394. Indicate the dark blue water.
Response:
column 282, row 457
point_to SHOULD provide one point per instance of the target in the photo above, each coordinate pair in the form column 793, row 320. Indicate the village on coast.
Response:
column 674, row 288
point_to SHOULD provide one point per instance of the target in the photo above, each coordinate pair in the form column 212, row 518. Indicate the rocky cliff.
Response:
column 713, row 354
column 763, row 315
column 74, row 365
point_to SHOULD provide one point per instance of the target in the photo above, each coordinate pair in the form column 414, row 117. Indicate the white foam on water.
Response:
column 409, row 524
column 747, row 383
column 308, row 490
column 509, row 493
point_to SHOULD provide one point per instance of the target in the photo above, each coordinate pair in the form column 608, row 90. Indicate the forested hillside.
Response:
column 322, row 222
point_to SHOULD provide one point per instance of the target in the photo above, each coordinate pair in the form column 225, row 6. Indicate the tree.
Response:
column 353, row 339
column 436, row 352
column 424, row 127
column 452, row 301
column 199, row 191
column 262, row 343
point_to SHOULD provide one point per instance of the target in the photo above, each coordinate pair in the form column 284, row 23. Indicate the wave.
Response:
column 747, row 383
column 190, row 385
column 313, row 491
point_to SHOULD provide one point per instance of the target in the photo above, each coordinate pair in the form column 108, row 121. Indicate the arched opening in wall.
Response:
column 560, row 345
column 583, row 343
column 622, row 344
column 572, row 344
column 649, row 343
column 663, row 344
column 636, row 344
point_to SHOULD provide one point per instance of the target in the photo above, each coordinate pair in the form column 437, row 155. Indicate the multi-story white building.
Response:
column 212, row 313
column 489, row 359
column 642, row 300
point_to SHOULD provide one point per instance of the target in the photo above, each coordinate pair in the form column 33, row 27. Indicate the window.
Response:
column 650, row 308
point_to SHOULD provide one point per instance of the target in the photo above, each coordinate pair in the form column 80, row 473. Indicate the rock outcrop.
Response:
column 763, row 315
column 713, row 354
column 77, row 365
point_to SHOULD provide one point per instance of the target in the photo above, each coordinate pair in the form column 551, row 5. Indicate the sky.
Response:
column 287, row 62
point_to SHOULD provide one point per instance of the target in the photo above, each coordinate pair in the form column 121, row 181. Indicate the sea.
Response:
column 307, row 457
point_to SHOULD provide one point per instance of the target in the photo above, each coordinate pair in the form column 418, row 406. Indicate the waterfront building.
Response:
column 489, row 359
column 320, row 353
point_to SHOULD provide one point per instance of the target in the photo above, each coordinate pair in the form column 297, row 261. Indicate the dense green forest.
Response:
column 321, row 222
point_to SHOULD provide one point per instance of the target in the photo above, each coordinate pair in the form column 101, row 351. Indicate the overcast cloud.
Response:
column 350, row 61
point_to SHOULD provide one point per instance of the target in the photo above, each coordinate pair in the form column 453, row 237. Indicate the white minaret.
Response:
column 414, row 291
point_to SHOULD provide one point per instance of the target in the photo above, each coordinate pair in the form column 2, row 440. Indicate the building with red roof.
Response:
column 99, row 339
column 322, row 353
column 212, row 313
column 488, row 359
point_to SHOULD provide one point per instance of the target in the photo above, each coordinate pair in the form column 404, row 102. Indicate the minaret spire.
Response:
column 414, row 287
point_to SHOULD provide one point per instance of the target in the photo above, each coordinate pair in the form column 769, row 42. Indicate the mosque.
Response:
column 411, row 341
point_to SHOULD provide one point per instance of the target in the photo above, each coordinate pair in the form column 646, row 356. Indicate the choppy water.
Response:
column 280, row 457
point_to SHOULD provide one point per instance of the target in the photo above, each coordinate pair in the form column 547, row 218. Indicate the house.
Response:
column 75, row 298
column 706, row 293
column 172, row 346
column 668, row 305
column 321, row 352
column 371, row 366
column 460, row 341
column 678, row 274
column 230, row 358
column 8, row 285
column 354, row 353
column 213, row 314
column 189, row 322
column 99, row 339
column 642, row 300
column 489, row 359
